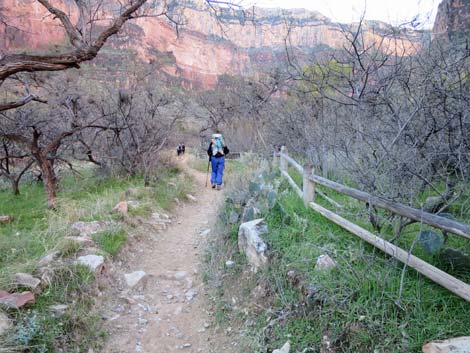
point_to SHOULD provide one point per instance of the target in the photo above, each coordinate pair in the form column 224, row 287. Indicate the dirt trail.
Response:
column 169, row 314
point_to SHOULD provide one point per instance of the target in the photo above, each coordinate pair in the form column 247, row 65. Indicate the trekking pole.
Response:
column 207, row 175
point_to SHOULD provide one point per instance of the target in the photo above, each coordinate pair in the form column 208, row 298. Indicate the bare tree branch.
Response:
column 11, row 64
column 15, row 104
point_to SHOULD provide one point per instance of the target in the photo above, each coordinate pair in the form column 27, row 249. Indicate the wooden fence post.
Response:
column 283, row 162
column 276, row 159
column 308, row 185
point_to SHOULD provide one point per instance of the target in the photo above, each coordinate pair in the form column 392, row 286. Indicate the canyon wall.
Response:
column 452, row 20
column 211, row 43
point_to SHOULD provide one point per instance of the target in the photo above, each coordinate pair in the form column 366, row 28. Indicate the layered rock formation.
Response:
column 452, row 20
column 270, row 28
column 212, row 43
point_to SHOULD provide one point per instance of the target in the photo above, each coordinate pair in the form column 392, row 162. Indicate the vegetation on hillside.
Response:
column 362, row 305
column 37, row 231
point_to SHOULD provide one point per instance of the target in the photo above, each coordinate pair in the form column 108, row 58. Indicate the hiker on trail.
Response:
column 216, row 152
column 180, row 149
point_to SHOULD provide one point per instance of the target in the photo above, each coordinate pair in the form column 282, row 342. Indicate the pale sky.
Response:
column 391, row 11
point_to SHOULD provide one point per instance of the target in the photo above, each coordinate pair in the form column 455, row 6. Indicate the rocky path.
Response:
column 166, row 311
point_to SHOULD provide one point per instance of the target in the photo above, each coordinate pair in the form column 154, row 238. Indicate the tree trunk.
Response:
column 50, row 181
column 15, row 186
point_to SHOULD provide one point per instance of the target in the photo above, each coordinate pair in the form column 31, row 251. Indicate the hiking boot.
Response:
column 213, row 186
column 219, row 187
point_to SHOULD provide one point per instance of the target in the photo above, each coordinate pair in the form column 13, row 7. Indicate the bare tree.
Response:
column 14, row 163
column 241, row 108
column 44, row 139
column 140, row 119
column 393, row 121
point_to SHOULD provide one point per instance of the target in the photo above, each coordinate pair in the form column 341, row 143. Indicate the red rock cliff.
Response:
column 234, row 43
column 452, row 20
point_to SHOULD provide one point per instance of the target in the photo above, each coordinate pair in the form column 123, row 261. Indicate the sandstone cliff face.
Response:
column 199, row 60
column 233, row 43
column 269, row 28
column 452, row 20
column 28, row 27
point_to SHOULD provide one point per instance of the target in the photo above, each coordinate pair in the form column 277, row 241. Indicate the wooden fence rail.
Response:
column 307, row 193
column 412, row 213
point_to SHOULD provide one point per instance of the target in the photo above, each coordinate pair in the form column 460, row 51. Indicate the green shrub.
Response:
column 111, row 241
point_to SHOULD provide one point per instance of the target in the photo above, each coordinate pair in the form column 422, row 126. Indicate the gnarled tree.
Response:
column 81, row 34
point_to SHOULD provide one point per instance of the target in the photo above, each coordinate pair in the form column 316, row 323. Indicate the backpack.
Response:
column 218, row 145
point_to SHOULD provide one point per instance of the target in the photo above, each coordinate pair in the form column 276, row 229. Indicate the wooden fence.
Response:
column 307, row 193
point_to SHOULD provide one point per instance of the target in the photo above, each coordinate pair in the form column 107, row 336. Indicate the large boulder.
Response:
column 95, row 263
column 27, row 281
column 87, row 229
column 453, row 345
column 285, row 348
column 325, row 262
column 251, row 243
column 48, row 259
column 16, row 300
column 80, row 241
column 137, row 278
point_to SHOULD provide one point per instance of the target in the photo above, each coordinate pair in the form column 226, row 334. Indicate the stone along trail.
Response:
column 167, row 310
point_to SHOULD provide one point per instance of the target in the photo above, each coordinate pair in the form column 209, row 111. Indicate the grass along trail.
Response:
column 169, row 313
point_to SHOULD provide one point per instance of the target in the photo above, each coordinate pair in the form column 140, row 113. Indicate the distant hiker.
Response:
column 179, row 150
column 183, row 148
column 216, row 152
